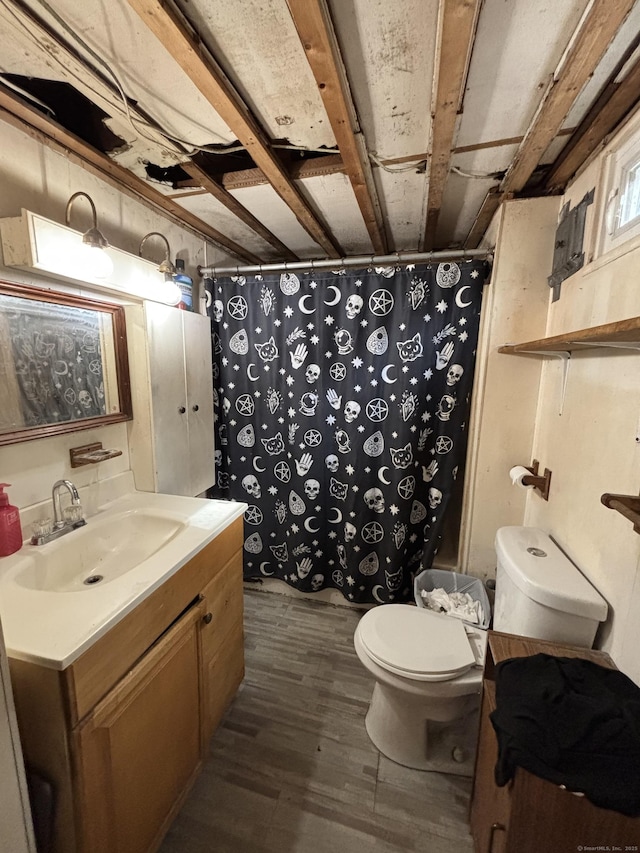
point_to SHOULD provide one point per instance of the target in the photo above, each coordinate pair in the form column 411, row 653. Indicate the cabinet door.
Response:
column 139, row 749
column 198, row 362
column 168, row 399
column 222, row 643
column 490, row 805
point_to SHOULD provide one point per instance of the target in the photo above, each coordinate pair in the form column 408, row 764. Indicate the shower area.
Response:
column 341, row 401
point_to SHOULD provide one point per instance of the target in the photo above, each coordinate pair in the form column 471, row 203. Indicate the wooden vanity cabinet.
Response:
column 530, row 814
column 122, row 731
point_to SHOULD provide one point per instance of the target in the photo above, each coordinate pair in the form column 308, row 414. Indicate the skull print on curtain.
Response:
column 341, row 403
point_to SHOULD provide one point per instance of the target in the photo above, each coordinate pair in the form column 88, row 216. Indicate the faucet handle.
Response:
column 42, row 527
column 73, row 513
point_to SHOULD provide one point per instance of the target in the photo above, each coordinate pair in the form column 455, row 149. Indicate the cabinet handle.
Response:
column 207, row 618
column 196, row 407
column 492, row 832
column 182, row 409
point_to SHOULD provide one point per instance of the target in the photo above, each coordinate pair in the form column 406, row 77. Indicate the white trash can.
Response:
column 431, row 579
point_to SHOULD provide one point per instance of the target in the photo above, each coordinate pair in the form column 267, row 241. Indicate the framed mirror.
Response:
column 63, row 363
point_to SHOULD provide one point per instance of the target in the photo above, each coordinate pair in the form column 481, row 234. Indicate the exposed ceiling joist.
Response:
column 15, row 111
column 482, row 221
column 590, row 42
column 315, row 28
column 196, row 61
column 615, row 101
column 456, row 31
column 239, row 210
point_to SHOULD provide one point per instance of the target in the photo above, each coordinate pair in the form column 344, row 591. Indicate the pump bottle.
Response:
column 10, row 528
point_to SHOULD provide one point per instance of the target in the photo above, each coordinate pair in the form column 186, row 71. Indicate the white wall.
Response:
column 593, row 446
column 506, row 389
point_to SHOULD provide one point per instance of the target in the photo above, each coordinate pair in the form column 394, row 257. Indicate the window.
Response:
column 628, row 209
column 621, row 219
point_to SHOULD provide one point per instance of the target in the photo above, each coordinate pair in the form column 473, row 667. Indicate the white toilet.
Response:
column 428, row 667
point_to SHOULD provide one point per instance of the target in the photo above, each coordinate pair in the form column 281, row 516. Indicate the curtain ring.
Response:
column 237, row 271
column 312, row 262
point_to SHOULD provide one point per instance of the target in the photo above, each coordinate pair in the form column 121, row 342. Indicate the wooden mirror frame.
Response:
column 125, row 412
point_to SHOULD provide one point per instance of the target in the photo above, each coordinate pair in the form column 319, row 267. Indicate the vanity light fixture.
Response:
column 170, row 291
column 91, row 257
column 38, row 245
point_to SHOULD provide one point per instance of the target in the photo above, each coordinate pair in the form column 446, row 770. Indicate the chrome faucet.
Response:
column 58, row 521
column 60, row 526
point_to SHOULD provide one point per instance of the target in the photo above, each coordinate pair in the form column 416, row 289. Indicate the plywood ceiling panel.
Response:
column 267, row 205
column 216, row 214
column 403, row 196
column 388, row 50
column 518, row 46
column 333, row 197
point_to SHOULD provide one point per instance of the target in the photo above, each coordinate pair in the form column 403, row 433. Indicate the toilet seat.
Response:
column 416, row 643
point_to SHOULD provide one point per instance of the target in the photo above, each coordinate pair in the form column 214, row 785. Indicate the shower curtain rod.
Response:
column 354, row 261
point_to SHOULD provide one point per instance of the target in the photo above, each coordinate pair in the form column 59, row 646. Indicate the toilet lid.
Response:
column 416, row 642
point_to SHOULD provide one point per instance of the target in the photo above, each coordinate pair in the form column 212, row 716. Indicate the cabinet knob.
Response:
column 207, row 618
column 195, row 408
column 182, row 409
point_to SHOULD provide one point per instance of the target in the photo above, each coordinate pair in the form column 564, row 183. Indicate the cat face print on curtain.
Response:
column 341, row 401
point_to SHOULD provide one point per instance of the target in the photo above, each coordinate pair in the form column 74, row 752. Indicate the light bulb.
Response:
column 169, row 291
column 93, row 262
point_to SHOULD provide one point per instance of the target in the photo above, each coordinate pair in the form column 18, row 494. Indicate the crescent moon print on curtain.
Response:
column 341, row 403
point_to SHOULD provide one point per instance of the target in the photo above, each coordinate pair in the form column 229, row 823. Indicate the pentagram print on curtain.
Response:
column 341, row 403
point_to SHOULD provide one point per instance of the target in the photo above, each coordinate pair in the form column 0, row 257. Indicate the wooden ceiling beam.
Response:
column 589, row 44
column 313, row 22
column 191, row 55
column 456, row 34
column 231, row 203
column 611, row 107
column 15, row 111
column 483, row 218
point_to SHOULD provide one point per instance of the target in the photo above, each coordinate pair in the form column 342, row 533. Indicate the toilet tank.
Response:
column 540, row 592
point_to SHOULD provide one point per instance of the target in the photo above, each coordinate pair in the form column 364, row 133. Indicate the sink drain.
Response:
column 93, row 579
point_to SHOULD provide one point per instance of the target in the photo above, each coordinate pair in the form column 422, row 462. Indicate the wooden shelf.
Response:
column 623, row 333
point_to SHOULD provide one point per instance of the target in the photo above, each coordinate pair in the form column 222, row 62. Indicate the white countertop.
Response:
column 53, row 627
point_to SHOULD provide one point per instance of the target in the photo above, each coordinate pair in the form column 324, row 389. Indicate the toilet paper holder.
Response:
column 541, row 483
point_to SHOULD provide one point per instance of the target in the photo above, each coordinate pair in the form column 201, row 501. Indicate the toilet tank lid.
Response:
column 552, row 580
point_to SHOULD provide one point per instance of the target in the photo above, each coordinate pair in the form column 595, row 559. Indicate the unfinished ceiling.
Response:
column 284, row 129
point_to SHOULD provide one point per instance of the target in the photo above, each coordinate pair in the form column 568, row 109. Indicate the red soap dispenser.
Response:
column 10, row 528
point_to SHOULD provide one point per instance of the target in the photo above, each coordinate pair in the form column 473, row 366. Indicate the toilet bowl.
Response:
column 427, row 669
column 427, row 666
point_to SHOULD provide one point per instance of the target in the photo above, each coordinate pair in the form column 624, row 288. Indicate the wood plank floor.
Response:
column 291, row 769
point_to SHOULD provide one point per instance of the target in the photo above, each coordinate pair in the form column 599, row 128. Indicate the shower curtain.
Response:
column 341, row 401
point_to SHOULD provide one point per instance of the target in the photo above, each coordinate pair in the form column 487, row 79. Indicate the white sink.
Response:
column 133, row 544
column 98, row 553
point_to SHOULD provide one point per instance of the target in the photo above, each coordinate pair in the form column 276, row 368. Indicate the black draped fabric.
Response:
column 341, row 402
column 572, row 722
